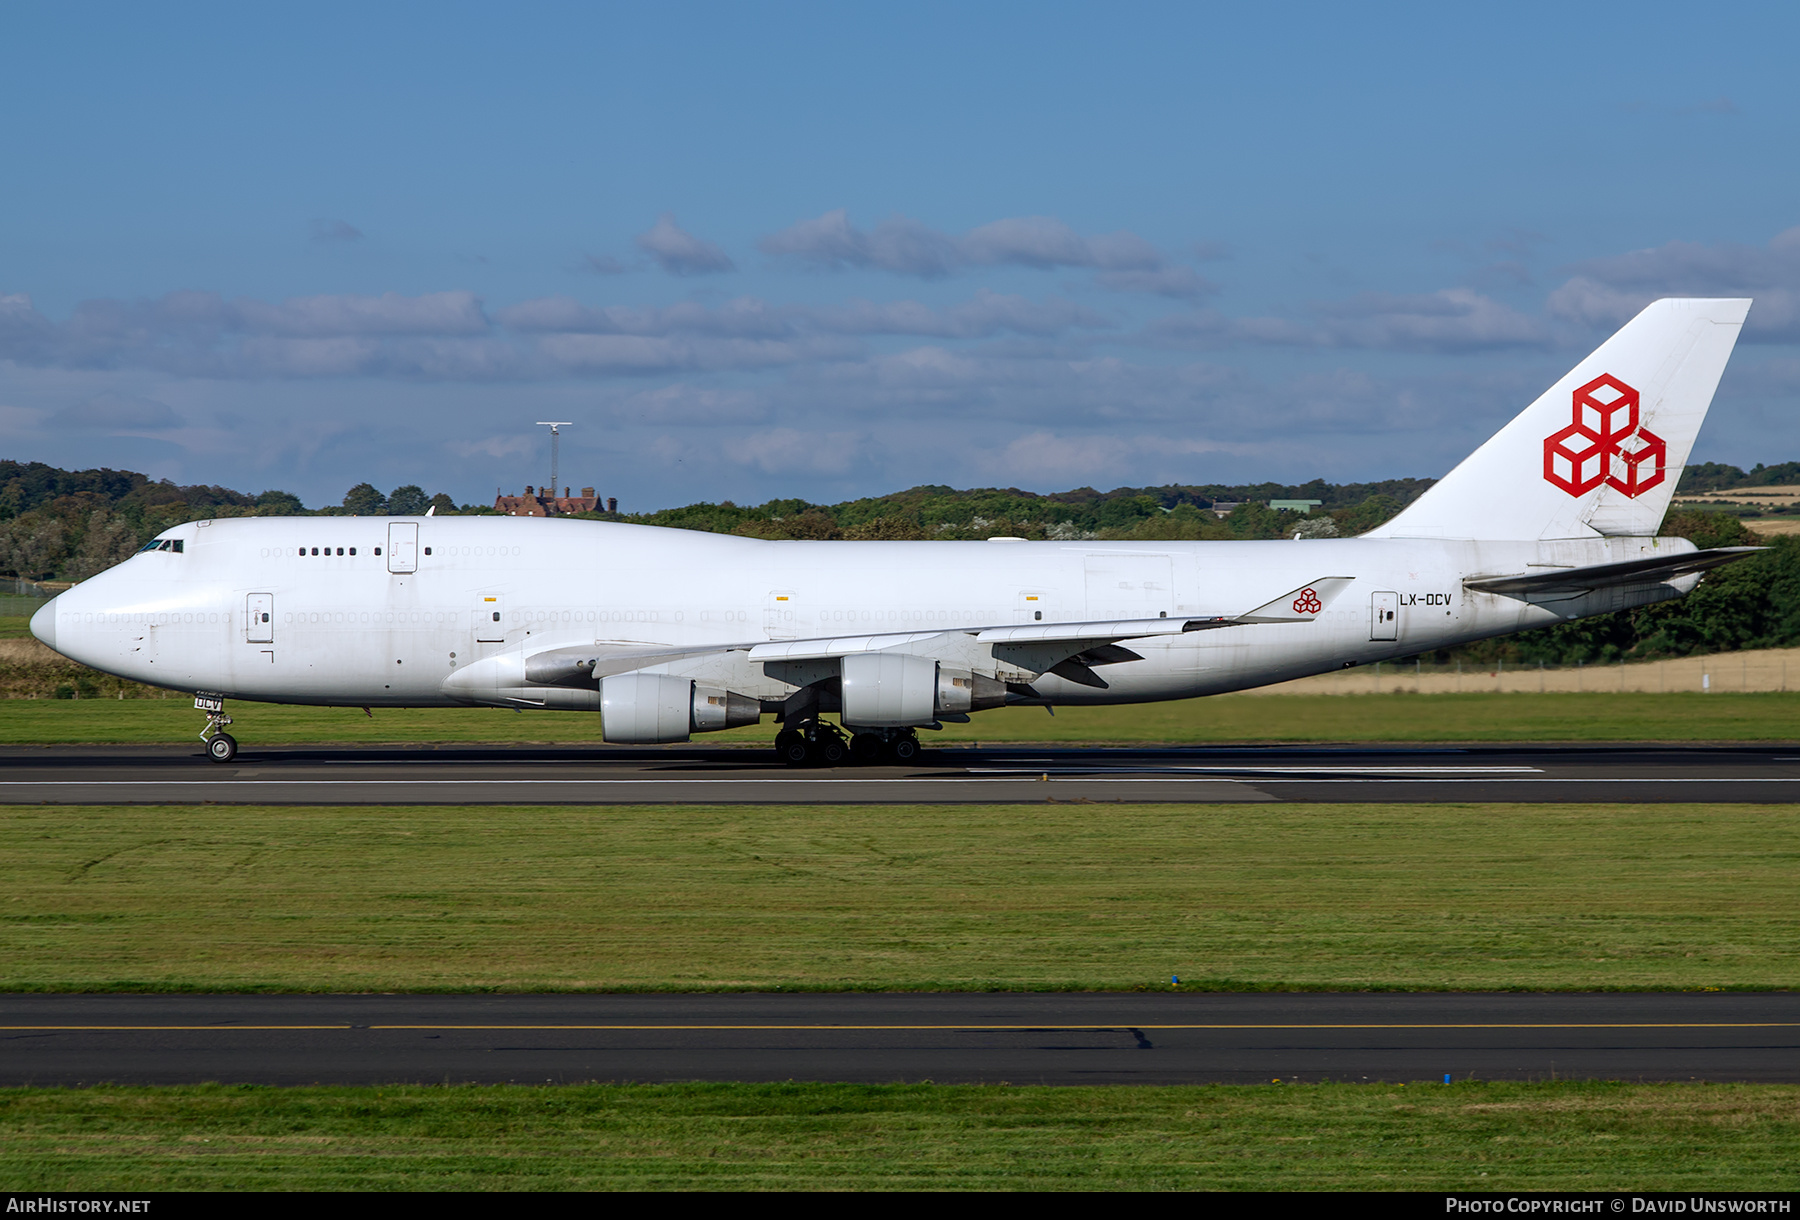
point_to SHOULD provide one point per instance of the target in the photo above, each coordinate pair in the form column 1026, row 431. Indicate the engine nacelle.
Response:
column 649, row 709
column 889, row 690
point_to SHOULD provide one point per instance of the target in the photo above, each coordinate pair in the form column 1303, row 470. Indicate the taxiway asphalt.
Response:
column 490, row 775
column 1147, row 1038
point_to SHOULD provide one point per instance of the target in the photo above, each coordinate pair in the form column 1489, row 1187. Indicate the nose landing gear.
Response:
column 221, row 746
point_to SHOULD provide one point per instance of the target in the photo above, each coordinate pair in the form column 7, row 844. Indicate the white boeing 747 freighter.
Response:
column 666, row 633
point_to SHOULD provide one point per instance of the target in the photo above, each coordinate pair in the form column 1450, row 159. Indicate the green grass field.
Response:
column 1466, row 1136
column 1286, row 718
column 1052, row 896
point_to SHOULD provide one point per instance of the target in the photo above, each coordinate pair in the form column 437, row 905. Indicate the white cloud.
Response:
column 111, row 412
column 684, row 403
column 1451, row 320
column 1049, row 459
column 898, row 244
column 1607, row 292
column 1044, row 242
column 679, row 252
column 434, row 313
column 1171, row 281
column 988, row 313
column 498, row 447
column 906, row 247
column 328, row 229
column 789, row 451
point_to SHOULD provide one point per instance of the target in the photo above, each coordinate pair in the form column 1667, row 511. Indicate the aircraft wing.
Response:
column 1559, row 584
column 1300, row 605
column 1068, row 649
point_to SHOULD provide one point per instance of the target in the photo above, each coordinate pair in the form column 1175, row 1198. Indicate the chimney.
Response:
column 587, row 493
column 612, row 504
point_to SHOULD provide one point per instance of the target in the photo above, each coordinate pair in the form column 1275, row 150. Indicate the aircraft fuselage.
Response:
column 402, row 611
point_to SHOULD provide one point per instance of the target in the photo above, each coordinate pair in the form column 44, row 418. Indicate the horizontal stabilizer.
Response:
column 1563, row 583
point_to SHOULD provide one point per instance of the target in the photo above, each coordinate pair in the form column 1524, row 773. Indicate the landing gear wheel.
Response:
column 866, row 748
column 830, row 750
column 792, row 748
column 222, row 747
column 905, row 749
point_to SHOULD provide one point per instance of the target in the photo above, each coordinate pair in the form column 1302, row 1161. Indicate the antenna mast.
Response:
column 555, row 440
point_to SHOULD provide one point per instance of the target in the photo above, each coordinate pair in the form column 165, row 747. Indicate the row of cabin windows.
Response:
column 340, row 551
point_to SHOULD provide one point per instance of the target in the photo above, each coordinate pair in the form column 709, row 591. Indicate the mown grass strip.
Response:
column 1681, row 717
column 927, row 897
column 1467, row 1136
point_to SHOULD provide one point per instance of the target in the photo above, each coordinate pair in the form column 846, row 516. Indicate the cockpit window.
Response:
column 162, row 544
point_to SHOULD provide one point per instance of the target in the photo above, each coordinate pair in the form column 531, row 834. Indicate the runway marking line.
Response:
column 1040, row 1026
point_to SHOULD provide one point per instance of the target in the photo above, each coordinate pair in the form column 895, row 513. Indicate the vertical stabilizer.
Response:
column 1601, row 451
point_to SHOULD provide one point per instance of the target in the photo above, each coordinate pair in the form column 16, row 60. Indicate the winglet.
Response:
column 1302, row 605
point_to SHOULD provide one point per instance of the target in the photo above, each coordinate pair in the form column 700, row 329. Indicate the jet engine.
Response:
column 646, row 709
column 895, row 690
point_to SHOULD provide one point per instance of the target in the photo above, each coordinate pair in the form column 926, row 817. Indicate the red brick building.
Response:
column 542, row 502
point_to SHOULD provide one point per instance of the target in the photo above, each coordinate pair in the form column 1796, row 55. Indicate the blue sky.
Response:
column 834, row 250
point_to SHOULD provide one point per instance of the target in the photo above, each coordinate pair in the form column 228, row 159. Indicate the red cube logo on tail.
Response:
column 1605, row 443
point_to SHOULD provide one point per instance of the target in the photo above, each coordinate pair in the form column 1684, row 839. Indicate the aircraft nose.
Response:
column 43, row 623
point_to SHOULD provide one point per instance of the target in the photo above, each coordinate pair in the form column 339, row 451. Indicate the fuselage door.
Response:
column 1384, row 616
column 489, row 613
column 780, row 615
column 403, row 546
column 1123, row 586
column 259, row 620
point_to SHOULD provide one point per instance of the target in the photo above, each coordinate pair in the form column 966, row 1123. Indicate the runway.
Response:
column 590, row 775
column 1160, row 1038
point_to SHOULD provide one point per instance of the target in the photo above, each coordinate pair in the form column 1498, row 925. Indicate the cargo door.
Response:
column 1129, row 586
column 1384, row 616
column 403, row 547
column 489, row 617
column 259, row 618
column 780, row 619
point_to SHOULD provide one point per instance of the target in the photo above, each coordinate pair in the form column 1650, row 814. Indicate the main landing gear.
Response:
column 811, row 743
column 221, row 746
